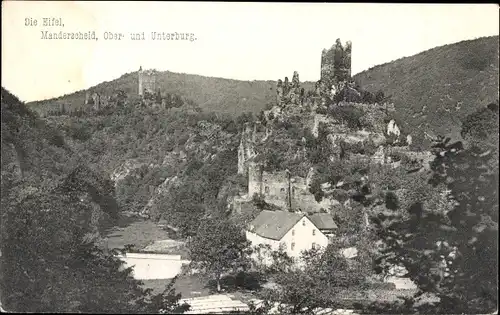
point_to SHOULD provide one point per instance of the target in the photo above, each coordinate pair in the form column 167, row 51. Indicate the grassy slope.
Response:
column 211, row 94
column 437, row 88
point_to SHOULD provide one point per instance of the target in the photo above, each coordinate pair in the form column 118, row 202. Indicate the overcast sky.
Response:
column 245, row 41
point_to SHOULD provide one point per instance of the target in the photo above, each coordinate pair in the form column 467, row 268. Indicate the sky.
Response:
column 244, row 41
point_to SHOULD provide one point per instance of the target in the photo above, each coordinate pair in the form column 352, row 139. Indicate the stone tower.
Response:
column 254, row 179
column 147, row 81
column 336, row 63
column 141, row 89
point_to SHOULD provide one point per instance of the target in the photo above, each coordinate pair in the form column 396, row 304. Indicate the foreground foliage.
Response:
column 453, row 254
column 53, row 208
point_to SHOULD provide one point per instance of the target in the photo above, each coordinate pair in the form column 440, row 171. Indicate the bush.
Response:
column 379, row 97
column 348, row 114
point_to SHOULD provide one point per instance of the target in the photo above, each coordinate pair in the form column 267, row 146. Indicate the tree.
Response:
column 218, row 247
column 379, row 96
column 320, row 275
column 281, row 262
column 452, row 253
column 167, row 302
column 184, row 205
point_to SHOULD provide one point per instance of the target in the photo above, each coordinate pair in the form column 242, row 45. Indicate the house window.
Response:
column 293, row 232
column 313, row 245
column 293, row 246
column 303, row 222
column 266, row 189
column 314, row 232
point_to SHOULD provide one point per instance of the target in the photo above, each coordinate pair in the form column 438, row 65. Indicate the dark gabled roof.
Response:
column 248, row 207
column 323, row 221
column 274, row 224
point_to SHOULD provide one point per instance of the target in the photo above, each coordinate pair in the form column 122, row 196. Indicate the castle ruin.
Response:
column 147, row 82
column 284, row 190
column 97, row 100
column 335, row 88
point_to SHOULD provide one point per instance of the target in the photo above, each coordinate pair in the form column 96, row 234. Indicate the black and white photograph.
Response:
column 249, row 158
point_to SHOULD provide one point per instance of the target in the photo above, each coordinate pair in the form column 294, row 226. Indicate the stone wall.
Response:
column 284, row 191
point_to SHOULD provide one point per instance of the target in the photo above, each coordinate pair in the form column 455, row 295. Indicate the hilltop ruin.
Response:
column 334, row 95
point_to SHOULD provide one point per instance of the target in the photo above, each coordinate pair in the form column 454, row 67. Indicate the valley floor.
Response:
column 135, row 231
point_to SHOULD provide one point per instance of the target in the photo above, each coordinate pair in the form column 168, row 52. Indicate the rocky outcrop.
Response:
column 250, row 137
column 126, row 169
column 174, row 157
column 246, row 149
column 161, row 190
column 289, row 93
column 393, row 129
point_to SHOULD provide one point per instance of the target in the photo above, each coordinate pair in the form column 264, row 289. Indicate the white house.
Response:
column 295, row 232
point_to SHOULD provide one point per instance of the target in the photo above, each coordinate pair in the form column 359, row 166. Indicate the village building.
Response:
column 293, row 232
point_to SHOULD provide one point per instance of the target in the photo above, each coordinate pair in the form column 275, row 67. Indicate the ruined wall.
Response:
column 302, row 200
column 276, row 188
column 283, row 190
column 97, row 100
column 423, row 158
